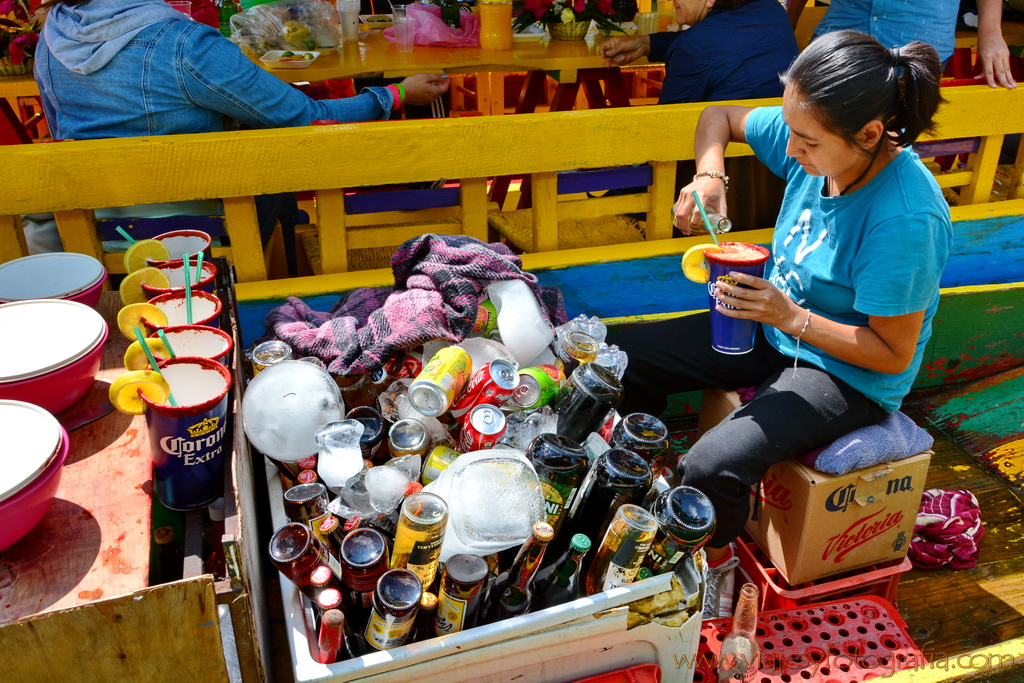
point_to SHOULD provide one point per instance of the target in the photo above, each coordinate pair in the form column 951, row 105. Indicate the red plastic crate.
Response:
column 641, row 673
column 881, row 580
column 836, row 642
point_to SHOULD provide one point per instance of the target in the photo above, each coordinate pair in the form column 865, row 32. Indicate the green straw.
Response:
column 167, row 344
column 704, row 215
column 152, row 361
column 199, row 268
column 188, row 288
column 125, row 234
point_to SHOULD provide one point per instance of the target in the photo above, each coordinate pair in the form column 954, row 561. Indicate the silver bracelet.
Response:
column 714, row 174
column 796, row 353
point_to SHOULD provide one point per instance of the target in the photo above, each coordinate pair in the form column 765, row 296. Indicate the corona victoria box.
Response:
column 813, row 525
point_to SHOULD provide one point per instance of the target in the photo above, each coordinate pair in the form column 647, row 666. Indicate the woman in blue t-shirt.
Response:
column 852, row 285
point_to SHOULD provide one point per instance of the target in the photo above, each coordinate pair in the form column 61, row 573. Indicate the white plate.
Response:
column 528, row 37
column 31, row 440
column 48, row 276
column 272, row 59
column 45, row 334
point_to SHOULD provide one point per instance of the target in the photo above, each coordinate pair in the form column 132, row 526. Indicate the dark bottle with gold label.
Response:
column 645, row 435
column 624, row 546
column 512, row 592
column 395, row 604
column 686, row 521
column 461, row 593
column 560, row 464
column 364, row 559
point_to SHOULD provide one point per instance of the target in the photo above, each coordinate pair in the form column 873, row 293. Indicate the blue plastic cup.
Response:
column 733, row 336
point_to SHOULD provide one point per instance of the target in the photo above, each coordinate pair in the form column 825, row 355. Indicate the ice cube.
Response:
column 410, row 464
column 496, row 500
column 483, row 351
column 522, row 326
column 522, row 427
column 354, row 499
column 386, row 487
column 340, row 457
column 392, row 399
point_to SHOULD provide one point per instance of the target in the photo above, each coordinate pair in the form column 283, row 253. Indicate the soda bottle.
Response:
column 512, row 592
column 624, row 546
column 582, row 406
column 645, row 435
column 225, row 10
column 395, row 604
column 459, row 597
column 560, row 464
column 616, row 478
column 686, row 521
column 419, row 535
column 560, row 582
column 740, row 652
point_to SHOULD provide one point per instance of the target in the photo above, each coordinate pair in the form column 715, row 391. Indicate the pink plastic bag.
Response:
column 430, row 30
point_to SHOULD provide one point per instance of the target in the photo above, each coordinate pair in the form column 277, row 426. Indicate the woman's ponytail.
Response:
column 849, row 79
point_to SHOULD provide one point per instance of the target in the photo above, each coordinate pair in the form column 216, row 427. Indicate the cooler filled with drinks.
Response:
column 477, row 511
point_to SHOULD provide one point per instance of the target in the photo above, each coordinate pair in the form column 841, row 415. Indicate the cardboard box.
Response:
column 814, row 525
column 715, row 406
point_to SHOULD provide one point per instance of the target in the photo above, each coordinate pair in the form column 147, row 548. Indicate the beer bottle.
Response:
column 513, row 590
column 460, row 594
column 320, row 580
column 616, row 478
column 373, row 433
column 296, row 552
column 645, row 435
column 739, row 658
column 628, row 539
column 408, row 437
column 686, row 521
column 170, row 560
column 573, row 350
column 225, row 10
column 331, row 637
column 582, row 406
column 419, row 535
column 307, row 504
column 423, row 629
column 364, row 559
column 560, row 464
column 560, row 582
column 395, row 604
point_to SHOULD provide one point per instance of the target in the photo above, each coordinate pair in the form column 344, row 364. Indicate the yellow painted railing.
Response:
column 73, row 178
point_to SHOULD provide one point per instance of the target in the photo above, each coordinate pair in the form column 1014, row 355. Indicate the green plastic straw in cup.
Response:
column 704, row 215
column 152, row 362
column 199, row 268
column 167, row 343
column 125, row 235
column 188, row 288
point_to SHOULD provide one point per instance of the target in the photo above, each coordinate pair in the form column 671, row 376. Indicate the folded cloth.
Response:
column 894, row 438
column 439, row 281
column 948, row 530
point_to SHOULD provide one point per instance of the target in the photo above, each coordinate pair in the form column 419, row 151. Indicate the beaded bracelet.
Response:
column 796, row 354
column 713, row 174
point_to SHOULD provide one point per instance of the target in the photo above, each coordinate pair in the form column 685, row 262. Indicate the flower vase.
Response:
column 576, row 30
column 8, row 68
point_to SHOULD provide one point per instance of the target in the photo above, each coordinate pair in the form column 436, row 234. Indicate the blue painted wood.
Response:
column 401, row 200
column 940, row 148
column 147, row 228
column 598, row 180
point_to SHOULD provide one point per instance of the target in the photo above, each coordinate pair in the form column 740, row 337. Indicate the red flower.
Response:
column 205, row 12
column 537, row 7
column 604, row 6
column 579, row 5
column 23, row 46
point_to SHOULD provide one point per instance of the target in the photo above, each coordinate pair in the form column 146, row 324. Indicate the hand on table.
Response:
column 424, row 88
column 712, row 195
column 625, row 49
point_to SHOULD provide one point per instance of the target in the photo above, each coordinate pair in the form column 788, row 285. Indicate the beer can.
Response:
column 438, row 462
column 482, row 428
column 269, row 353
column 408, row 437
column 494, row 383
column 441, row 381
column 537, row 386
column 486, row 319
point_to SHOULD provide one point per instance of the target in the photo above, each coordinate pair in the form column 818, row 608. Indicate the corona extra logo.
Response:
column 203, row 428
column 860, row 532
column 775, row 494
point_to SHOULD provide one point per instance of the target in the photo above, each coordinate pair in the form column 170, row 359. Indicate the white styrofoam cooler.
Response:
column 557, row 645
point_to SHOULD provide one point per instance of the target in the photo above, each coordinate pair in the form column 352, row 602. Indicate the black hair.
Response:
column 848, row 78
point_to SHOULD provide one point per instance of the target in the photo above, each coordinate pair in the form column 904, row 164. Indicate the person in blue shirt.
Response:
column 733, row 50
column 851, row 287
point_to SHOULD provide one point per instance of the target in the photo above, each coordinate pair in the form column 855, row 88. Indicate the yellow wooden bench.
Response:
column 73, row 178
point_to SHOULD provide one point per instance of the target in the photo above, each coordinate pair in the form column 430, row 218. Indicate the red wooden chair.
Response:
column 12, row 131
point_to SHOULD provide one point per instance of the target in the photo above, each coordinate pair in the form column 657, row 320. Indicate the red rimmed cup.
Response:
column 732, row 336
column 187, row 441
column 175, row 272
column 205, row 310
column 198, row 341
column 181, row 242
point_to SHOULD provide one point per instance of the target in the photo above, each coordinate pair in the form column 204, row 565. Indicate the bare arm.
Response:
column 993, row 54
column 717, row 127
column 885, row 344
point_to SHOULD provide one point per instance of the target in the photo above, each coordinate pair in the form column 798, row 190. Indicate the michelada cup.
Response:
column 188, row 440
column 175, row 272
column 198, row 341
column 181, row 242
column 732, row 335
column 205, row 310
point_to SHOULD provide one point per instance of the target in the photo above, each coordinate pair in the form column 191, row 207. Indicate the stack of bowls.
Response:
column 35, row 448
column 50, row 351
column 75, row 277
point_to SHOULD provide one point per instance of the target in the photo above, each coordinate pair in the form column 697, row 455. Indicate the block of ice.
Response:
column 340, row 457
column 386, row 487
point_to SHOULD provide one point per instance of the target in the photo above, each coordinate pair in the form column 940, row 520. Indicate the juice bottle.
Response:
column 496, row 25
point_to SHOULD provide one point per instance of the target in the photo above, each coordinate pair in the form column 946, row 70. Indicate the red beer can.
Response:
column 494, row 383
column 481, row 428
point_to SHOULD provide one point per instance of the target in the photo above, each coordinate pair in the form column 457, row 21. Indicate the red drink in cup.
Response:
column 732, row 335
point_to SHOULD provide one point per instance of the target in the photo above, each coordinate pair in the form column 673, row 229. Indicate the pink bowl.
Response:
column 59, row 388
column 90, row 296
column 20, row 513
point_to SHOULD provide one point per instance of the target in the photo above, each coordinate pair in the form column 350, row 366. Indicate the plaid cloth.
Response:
column 948, row 530
column 439, row 281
